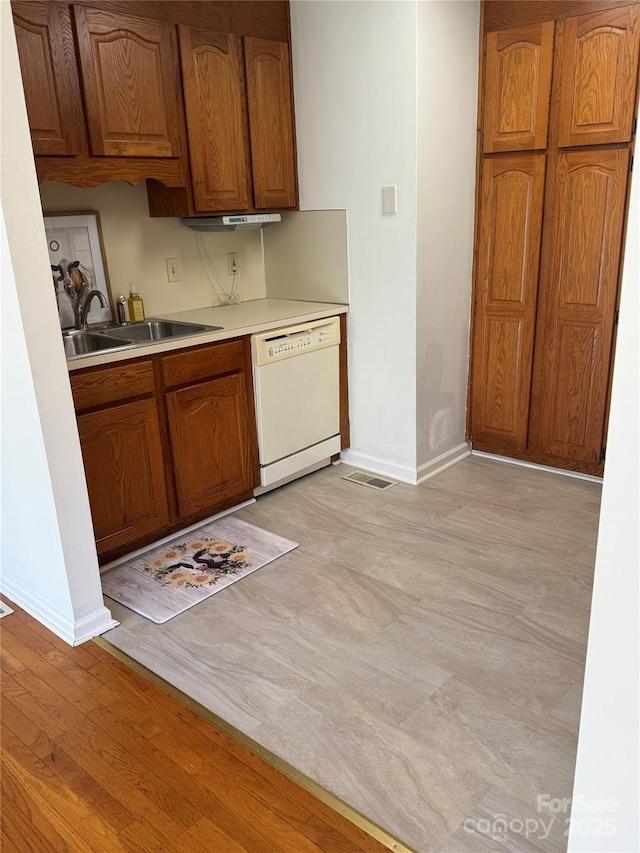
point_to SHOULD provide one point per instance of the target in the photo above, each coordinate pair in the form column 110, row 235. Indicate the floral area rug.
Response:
column 168, row 580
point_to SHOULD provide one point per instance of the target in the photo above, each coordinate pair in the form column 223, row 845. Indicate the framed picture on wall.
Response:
column 77, row 260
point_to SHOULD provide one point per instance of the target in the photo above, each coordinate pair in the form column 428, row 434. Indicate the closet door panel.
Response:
column 598, row 57
column 507, row 281
column 578, row 288
column 517, row 88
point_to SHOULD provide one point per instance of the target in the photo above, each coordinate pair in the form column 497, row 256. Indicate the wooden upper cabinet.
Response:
column 50, row 78
column 270, row 100
column 129, row 72
column 214, row 93
column 599, row 62
column 517, row 88
column 512, row 194
column 578, row 286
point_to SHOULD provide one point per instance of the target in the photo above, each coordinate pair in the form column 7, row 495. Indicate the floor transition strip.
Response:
column 361, row 821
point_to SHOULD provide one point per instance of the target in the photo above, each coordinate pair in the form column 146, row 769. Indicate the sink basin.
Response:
column 157, row 330
column 79, row 343
column 85, row 343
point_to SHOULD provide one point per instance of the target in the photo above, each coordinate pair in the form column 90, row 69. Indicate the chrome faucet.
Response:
column 121, row 311
column 81, row 309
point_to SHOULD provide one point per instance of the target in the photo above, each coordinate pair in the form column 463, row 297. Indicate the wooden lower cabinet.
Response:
column 166, row 441
column 123, row 462
column 210, row 438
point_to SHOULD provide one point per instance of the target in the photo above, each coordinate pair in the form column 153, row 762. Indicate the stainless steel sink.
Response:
column 85, row 343
column 101, row 338
column 157, row 330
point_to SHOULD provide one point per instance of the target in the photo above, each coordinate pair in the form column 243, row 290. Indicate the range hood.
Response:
column 235, row 222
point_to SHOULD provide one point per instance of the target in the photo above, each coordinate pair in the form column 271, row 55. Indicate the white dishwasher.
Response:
column 296, row 374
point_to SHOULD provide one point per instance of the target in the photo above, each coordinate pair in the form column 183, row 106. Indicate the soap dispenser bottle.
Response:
column 135, row 304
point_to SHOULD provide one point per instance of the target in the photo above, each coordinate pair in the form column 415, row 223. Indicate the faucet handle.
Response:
column 121, row 311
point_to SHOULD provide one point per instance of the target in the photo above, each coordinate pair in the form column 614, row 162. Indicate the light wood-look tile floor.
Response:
column 421, row 654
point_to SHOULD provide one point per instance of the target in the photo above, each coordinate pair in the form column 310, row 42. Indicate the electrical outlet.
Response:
column 233, row 263
column 173, row 269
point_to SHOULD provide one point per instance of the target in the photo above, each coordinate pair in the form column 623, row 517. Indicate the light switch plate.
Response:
column 390, row 199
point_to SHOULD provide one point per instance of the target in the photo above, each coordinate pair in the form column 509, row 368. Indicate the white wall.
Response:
column 137, row 246
column 386, row 94
column 448, row 38
column 355, row 88
column 49, row 563
column 608, row 762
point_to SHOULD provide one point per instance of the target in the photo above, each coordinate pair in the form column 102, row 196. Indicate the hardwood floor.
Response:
column 96, row 758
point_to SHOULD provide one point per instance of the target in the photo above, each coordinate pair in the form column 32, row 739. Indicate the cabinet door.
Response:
column 125, row 472
column 507, row 284
column 210, row 440
column 213, row 80
column 517, row 88
column 270, row 100
column 129, row 75
column 578, row 286
column 50, row 77
column 599, row 61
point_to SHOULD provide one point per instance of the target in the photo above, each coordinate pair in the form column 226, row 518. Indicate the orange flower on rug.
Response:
column 201, row 562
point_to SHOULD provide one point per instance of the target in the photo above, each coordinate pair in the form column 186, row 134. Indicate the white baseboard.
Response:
column 402, row 473
column 73, row 632
column 446, row 460
column 524, row 464
column 93, row 625
column 405, row 473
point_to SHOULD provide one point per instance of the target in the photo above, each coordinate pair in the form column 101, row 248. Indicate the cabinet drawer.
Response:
column 202, row 363
column 122, row 382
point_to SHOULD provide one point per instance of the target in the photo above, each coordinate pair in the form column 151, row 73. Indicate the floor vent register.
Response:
column 379, row 483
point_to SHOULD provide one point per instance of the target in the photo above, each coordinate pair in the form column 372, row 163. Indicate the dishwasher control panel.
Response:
column 295, row 340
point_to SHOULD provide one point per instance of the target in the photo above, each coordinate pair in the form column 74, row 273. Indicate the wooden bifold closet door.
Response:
column 578, row 285
column 507, row 282
column 561, row 98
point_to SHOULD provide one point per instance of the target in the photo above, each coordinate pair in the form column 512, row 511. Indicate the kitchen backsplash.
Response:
column 136, row 247
column 305, row 256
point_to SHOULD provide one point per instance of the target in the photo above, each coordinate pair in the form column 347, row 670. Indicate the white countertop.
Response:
column 247, row 318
